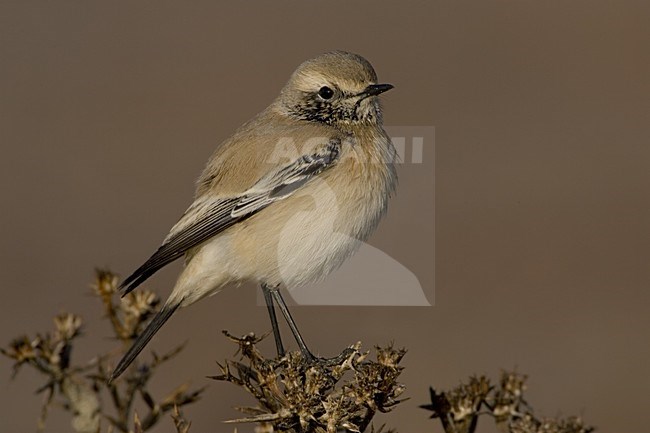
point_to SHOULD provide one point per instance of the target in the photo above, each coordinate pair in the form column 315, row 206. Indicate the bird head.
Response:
column 336, row 88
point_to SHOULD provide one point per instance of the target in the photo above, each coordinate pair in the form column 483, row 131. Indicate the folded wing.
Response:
column 209, row 216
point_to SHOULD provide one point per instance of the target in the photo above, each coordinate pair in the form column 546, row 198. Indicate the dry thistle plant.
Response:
column 293, row 396
column 340, row 394
column 459, row 409
column 80, row 388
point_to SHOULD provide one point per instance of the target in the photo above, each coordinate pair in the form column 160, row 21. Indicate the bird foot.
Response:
column 313, row 360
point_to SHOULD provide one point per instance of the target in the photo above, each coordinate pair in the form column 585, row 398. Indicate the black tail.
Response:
column 142, row 340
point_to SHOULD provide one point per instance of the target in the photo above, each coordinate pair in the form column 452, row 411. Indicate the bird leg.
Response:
column 306, row 353
column 274, row 321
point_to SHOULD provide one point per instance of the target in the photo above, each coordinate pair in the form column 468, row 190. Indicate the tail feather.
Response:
column 156, row 323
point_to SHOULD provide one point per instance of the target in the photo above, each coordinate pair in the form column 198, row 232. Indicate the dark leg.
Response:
column 309, row 357
column 274, row 321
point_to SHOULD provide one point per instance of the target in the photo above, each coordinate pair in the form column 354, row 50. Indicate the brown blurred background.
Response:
column 541, row 110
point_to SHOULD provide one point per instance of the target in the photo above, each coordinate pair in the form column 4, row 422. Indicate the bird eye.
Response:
column 325, row 92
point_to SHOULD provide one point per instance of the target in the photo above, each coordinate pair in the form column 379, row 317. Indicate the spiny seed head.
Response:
column 67, row 325
column 105, row 283
column 140, row 303
column 21, row 349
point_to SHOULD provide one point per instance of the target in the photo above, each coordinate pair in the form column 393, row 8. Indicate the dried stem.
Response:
column 460, row 408
column 341, row 394
column 79, row 389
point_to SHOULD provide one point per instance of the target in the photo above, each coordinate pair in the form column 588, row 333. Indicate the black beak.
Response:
column 376, row 89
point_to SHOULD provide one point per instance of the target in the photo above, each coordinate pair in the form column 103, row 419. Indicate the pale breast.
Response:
column 302, row 239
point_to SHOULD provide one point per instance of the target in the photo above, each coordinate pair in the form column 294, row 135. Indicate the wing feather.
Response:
column 209, row 216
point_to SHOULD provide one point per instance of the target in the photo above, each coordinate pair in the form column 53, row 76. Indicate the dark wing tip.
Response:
column 124, row 287
column 159, row 259
column 133, row 281
column 138, row 277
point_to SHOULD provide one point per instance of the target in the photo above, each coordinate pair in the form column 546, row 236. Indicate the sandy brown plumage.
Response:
column 289, row 196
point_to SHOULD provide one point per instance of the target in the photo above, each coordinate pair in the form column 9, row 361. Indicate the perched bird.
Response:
column 287, row 198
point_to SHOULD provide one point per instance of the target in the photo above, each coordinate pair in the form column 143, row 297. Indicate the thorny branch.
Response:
column 342, row 394
column 330, row 396
column 460, row 408
column 80, row 388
